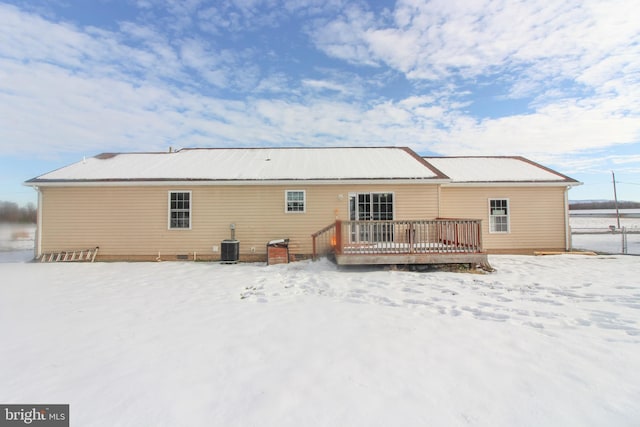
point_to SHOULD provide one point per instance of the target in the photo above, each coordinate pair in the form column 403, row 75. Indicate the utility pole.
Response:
column 615, row 197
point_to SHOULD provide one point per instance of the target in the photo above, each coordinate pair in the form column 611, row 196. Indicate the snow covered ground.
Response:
column 16, row 242
column 551, row 341
column 598, row 238
column 603, row 218
column 606, row 243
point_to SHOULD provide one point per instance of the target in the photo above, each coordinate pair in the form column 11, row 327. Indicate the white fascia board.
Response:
column 296, row 182
column 512, row 184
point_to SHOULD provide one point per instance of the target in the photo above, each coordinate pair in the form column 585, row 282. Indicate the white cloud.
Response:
column 253, row 15
column 623, row 160
column 84, row 89
column 578, row 62
column 343, row 37
column 322, row 85
column 434, row 39
column 276, row 83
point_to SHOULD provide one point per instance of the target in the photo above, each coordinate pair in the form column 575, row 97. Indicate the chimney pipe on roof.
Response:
column 171, row 149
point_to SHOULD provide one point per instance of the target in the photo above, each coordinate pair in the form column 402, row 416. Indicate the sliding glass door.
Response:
column 371, row 207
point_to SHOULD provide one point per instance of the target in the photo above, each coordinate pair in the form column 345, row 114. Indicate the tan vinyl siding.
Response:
column 129, row 222
column 537, row 215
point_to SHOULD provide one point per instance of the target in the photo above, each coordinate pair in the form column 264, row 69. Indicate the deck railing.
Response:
column 324, row 241
column 400, row 237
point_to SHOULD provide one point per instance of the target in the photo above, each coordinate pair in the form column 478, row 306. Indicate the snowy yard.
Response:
column 599, row 238
column 551, row 341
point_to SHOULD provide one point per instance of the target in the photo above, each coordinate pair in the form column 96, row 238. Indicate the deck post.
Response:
column 411, row 231
column 314, row 251
column 338, row 237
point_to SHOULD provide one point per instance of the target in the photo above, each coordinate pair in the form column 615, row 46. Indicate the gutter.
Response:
column 568, row 246
column 37, row 249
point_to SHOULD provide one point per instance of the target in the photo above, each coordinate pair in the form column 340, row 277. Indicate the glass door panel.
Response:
column 371, row 207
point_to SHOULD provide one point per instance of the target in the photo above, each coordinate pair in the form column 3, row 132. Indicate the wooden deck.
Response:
column 439, row 241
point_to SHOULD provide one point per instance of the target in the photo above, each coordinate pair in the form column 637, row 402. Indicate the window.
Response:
column 296, row 200
column 498, row 215
column 382, row 206
column 180, row 210
column 374, row 207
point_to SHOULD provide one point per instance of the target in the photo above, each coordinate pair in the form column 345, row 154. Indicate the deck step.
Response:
column 77, row 255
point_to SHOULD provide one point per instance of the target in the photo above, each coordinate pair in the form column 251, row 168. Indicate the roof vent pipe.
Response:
column 171, row 149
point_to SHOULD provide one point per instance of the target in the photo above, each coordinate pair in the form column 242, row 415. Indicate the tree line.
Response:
column 11, row 212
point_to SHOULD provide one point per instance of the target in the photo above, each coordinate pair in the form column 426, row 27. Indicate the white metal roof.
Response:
column 249, row 164
column 288, row 164
column 495, row 170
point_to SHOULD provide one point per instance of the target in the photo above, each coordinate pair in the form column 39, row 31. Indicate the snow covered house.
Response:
column 366, row 205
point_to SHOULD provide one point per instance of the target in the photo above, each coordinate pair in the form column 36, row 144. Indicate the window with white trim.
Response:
column 295, row 201
column 180, row 210
column 498, row 215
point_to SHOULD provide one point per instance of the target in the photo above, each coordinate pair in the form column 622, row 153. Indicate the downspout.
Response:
column 38, row 246
column 567, row 227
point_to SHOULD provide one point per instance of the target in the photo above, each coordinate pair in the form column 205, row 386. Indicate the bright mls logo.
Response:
column 34, row 415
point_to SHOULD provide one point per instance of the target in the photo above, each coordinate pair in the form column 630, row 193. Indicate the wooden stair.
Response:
column 80, row 255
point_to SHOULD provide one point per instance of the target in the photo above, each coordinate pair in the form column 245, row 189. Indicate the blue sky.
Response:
column 557, row 82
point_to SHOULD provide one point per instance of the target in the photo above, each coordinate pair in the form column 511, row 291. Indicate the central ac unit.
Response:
column 230, row 251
